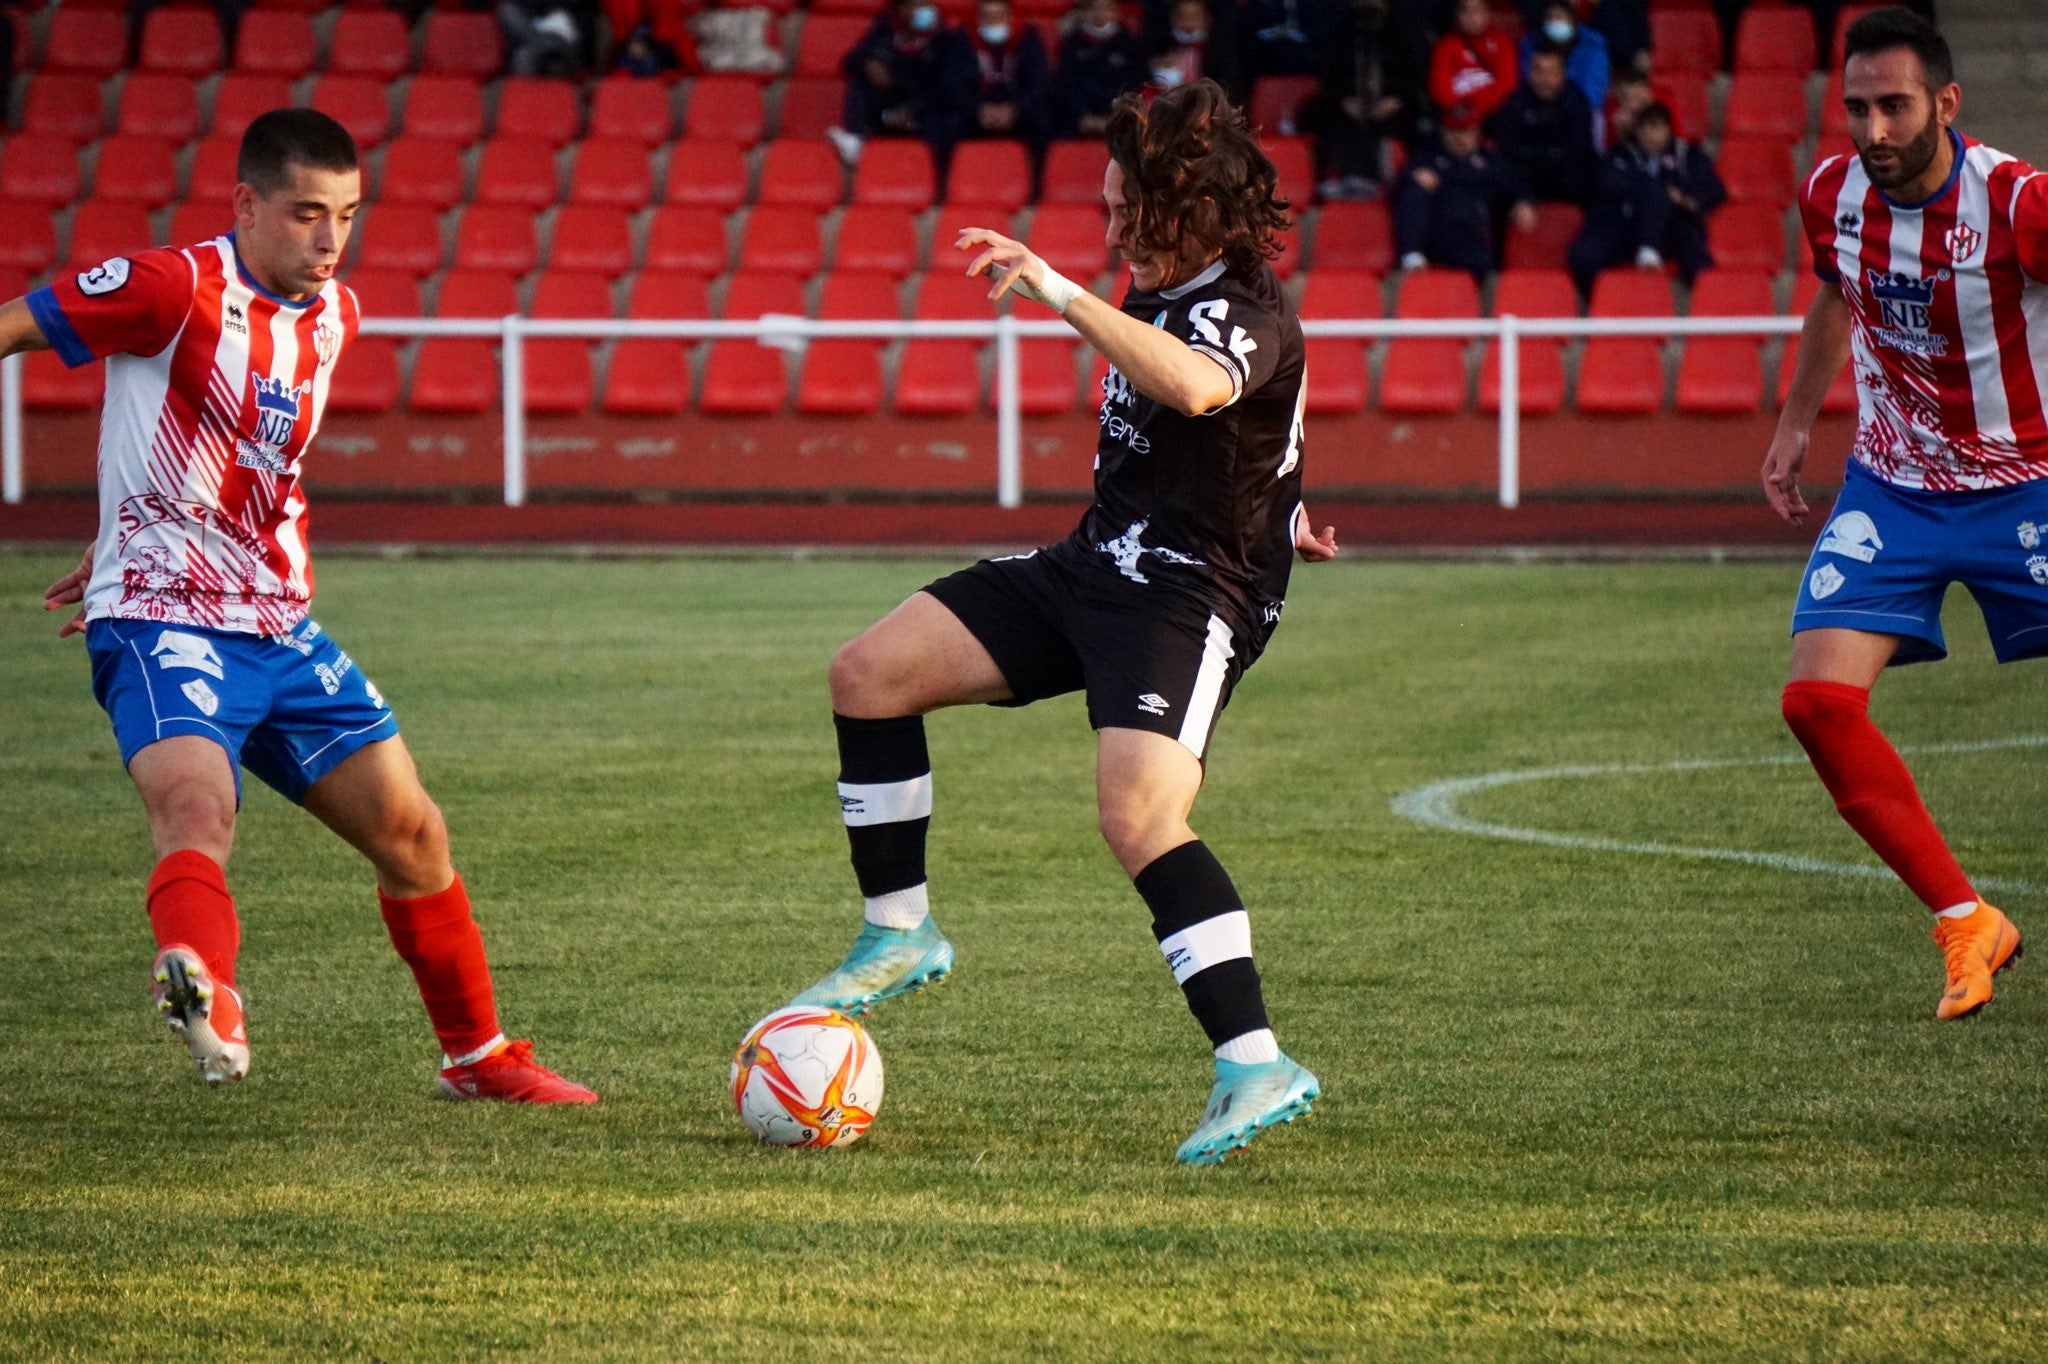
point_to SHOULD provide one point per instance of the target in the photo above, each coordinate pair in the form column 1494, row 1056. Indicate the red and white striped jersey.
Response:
column 214, row 389
column 1948, row 306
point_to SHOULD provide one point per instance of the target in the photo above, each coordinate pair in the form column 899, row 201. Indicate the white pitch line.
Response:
column 1436, row 806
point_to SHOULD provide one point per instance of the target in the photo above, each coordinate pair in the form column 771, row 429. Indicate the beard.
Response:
column 1909, row 160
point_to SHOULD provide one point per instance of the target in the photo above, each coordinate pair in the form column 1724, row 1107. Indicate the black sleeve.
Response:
column 1703, row 182
column 852, row 64
column 1238, row 331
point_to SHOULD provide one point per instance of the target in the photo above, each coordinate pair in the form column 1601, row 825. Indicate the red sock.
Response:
column 440, row 942
column 189, row 903
column 1873, row 789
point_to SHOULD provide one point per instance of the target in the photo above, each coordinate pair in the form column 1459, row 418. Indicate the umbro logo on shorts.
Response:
column 1152, row 703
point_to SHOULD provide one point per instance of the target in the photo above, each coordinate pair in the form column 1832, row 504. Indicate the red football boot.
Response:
column 205, row 1014
column 510, row 1073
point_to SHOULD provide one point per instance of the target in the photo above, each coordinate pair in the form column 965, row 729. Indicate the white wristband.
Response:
column 1056, row 291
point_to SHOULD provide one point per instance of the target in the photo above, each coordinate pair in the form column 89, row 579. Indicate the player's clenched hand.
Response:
column 1313, row 548
column 69, row 590
column 1781, row 476
column 1011, row 264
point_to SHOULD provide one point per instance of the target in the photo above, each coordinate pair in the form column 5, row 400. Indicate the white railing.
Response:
column 792, row 333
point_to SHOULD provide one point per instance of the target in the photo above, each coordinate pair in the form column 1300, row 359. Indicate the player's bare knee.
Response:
column 196, row 815
column 412, row 844
column 1137, row 831
column 862, row 682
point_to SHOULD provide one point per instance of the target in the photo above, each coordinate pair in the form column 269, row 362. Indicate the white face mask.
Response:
column 1166, row 77
column 924, row 18
column 1190, row 35
column 995, row 35
column 1559, row 31
column 1102, row 30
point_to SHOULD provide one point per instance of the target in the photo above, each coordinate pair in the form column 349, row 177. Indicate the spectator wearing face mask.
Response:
column 1585, row 51
column 1099, row 60
column 1546, row 130
column 1372, row 96
column 1655, row 193
column 1452, row 200
column 1012, row 76
column 1473, row 67
column 1200, row 40
column 908, row 76
column 1624, row 24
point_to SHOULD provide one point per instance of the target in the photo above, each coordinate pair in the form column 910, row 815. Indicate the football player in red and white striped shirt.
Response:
column 1933, row 252
column 195, row 597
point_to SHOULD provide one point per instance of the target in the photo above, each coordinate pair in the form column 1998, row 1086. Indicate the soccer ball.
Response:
column 807, row 1076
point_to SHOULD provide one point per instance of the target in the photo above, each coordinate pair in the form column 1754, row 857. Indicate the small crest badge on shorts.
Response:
column 2037, row 567
column 1825, row 582
column 2030, row 535
column 1963, row 241
column 199, row 694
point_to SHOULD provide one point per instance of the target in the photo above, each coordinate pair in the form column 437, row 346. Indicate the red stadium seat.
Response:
column 28, row 242
column 193, row 222
column 358, row 103
column 944, row 296
column 687, row 240
column 64, row 104
column 155, row 104
column 36, row 169
column 825, row 41
column 1632, row 293
column 1423, row 376
column 1692, row 105
column 558, row 370
column 1747, row 237
column 840, row 379
column 1540, row 387
column 781, row 238
column 1289, row 259
column 368, row 379
column 649, row 377
column 536, row 110
column 417, row 171
column 1436, row 293
column 1296, row 169
column 386, row 293
column 668, row 294
column 876, row 237
column 1070, row 238
column 497, row 237
column 1841, row 396
column 1774, row 38
column 1732, row 293
column 213, row 169
column 91, row 42
column 1341, row 295
column 48, row 386
column 240, row 98
column 996, row 173
column 802, row 173
column 591, row 237
column 1045, row 379
column 810, row 105
column 1073, row 172
column 137, row 169
column 631, row 110
column 1621, row 376
column 938, row 378
column 1277, row 103
column 104, row 228
column 1765, row 104
column 757, row 293
column 182, row 40
column 1338, row 380
column 1758, row 170
column 445, row 109
column 402, row 237
column 518, row 171
column 1354, row 236
column 1545, row 247
column 369, row 43
column 728, row 109
column 898, row 173
column 1685, row 40
column 858, row 296
column 744, row 377
column 709, row 174
column 1844, row 17
column 462, row 44
column 460, row 374
column 617, row 175
column 1720, row 375
column 276, row 43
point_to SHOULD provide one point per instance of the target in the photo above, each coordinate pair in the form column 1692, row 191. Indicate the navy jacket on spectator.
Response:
column 1638, row 206
column 1374, row 88
column 1017, row 74
column 1550, row 143
column 1455, row 224
column 1094, row 69
column 1289, row 37
column 931, row 80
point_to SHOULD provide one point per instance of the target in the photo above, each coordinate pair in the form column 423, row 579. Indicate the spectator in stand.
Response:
column 1545, row 131
column 737, row 38
column 1291, row 37
column 1630, row 93
column 1099, row 60
column 1451, row 201
column 1585, row 51
column 1654, row 195
column 1195, row 47
column 1624, row 24
column 544, row 37
column 1473, row 67
column 1013, row 78
column 908, row 76
column 1372, row 95
column 651, row 38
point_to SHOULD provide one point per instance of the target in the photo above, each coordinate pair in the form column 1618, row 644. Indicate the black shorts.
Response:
column 1148, row 658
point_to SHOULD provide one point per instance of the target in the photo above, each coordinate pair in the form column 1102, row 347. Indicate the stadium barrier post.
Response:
column 515, row 410
column 1510, row 346
column 12, row 483
column 1009, row 419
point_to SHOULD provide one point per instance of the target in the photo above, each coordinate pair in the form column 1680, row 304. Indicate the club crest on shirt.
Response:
column 1905, row 307
column 2037, row 568
column 2030, row 535
column 1963, row 241
column 326, row 343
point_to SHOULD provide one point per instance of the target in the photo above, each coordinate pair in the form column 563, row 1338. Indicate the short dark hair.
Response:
column 284, row 138
column 1546, row 48
column 1656, row 111
column 1881, row 30
column 1192, row 169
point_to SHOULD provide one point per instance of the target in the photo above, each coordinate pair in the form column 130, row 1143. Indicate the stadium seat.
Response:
column 897, row 173
column 1354, row 236
column 1073, row 172
column 1338, row 379
column 1338, row 294
column 1545, row 247
column 840, row 379
column 516, row 170
column 387, row 293
column 64, row 104
column 1632, row 293
column 709, row 174
column 667, row 294
column 860, row 296
column 1765, row 104
column 240, row 98
column 780, row 237
column 1774, row 38
column 1732, row 293
column 687, row 240
column 462, row 44
column 1841, row 396
column 90, row 42
column 273, row 42
column 1686, row 40
column 728, row 109
column 1295, row 167
column 1758, row 170
column 1747, row 237
column 1436, row 293
column 825, row 41
column 28, row 240
column 800, row 172
column 1045, row 379
column 104, row 228
column 630, row 109
column 358, row 103
column 743, row 379
column 47, row 385
column 1621, row 376
column 497, row 237
column 445, row 109
column 194, row 221
column 417, row 171
column 402, row 237
column 995, row 173
column 617, row 175
column 1540, row 386
column 1844, row 17
column 154, row 104
column 592, row 237
column 1289, row 259
column 756, row 293
column 1423, row 376
column 38, row 169
column 368, row 379
column 460, row 374
column 1277, row 103
column 182, row 40
column 212, row 178
column 875, row 237
column 1692, row 105
column 536, row 110
column 369, row 42
column 947, row 296
column 136, row 169
column 558, row 370
column 1720, row 375
column 938, row 378
column 648, row 376
column 1069, row 237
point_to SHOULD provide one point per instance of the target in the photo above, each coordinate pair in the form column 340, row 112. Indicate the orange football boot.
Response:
column 1976, row 947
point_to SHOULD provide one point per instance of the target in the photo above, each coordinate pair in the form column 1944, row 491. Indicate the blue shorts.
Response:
column 287, row 707
column 1888, row 554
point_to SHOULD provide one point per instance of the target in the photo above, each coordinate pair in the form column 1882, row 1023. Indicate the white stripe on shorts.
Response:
column 1217, row 651
column 1201, row 946
column 889, row 802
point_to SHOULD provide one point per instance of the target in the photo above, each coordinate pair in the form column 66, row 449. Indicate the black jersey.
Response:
column 1204, row 507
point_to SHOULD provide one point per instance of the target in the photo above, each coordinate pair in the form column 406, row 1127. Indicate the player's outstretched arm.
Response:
column 1313, row 548
column 1823, row 350
column 1160, row 366
column 19, row 331
column 69, row 590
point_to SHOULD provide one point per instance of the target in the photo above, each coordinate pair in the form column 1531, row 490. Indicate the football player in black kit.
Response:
column 1155, row 606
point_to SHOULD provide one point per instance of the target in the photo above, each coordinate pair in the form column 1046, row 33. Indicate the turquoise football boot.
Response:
column 1246, row 1101
column 882, row 964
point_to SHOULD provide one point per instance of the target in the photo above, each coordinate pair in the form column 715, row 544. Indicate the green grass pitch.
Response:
column 1578, row 1105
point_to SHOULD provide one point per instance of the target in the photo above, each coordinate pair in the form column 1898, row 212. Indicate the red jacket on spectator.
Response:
column 1477, row 72
column 666, row 20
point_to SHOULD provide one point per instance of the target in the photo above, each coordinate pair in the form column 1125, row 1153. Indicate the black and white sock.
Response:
column 885, row 797
column 1206, row 938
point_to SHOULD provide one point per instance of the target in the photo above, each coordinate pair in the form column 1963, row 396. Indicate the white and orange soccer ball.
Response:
column 807, row 1076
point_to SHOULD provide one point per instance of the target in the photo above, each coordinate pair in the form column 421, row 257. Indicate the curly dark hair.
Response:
column 1194, row 176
